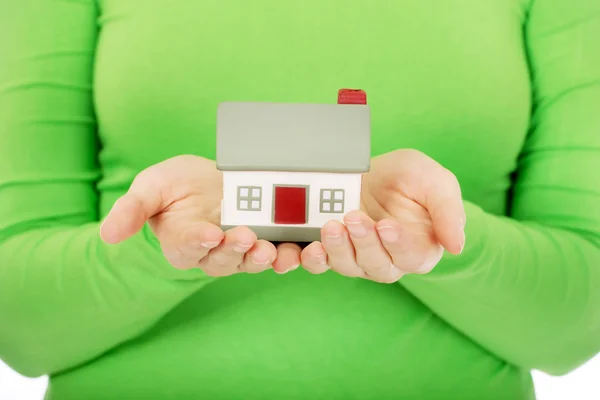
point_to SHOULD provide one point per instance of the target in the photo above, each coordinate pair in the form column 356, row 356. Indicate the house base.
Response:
column 288, row 233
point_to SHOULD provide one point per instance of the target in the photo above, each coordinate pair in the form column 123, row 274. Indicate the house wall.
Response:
column 315, row 181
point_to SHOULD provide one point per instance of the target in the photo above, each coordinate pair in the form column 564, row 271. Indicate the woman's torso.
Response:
column 448, row 77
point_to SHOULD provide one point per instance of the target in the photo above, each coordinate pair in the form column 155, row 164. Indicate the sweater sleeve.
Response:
column 527, row 288
column 65, row 296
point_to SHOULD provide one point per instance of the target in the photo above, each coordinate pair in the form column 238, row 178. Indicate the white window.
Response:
column 249, row 198
column 332, row 201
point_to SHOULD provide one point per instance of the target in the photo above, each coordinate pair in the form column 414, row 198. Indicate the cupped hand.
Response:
column 180, row 198
column 411, row 209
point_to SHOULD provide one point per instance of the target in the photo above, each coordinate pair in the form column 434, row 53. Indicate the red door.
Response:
column 290, row 205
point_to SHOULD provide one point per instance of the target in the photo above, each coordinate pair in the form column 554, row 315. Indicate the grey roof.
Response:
column 293, row 137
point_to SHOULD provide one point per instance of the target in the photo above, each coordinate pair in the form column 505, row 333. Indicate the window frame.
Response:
column 332, row 201
column 249, row 198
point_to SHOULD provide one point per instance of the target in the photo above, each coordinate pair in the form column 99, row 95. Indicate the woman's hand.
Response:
column 181, row 200
column 411, row 210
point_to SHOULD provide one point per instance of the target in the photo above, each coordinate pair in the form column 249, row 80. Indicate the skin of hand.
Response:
column 180, row 198
column 411, row 209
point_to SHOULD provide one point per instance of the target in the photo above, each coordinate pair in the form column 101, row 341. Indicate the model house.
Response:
column 289, row 168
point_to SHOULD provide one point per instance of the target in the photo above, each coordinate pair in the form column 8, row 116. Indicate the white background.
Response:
column 582, row 384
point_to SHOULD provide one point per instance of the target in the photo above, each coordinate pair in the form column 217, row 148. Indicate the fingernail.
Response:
column 258, row 262
column 356, row 229
column 209, row 245
column 461, row 229
column 388, row 234
column 288, row 270
column 241, row 248
column 334, row 239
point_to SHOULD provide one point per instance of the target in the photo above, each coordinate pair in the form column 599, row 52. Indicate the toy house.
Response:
column 289, row 168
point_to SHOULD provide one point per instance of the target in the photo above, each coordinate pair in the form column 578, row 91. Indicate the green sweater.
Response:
column 503, row 93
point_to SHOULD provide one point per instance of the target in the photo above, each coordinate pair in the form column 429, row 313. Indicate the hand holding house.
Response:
column 289, row 168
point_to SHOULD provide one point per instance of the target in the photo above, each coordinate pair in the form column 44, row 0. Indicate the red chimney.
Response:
column 352, row 96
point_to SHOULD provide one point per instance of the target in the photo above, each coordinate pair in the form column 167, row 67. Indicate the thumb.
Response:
column 130, row 212
column 440, row 194
column 448, row 215
column 434, row 187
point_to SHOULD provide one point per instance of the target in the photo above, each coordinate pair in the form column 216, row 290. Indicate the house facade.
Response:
column 290, row 168
column 271, row 198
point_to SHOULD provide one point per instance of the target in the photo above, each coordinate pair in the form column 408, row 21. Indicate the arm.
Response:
column 527, row 288
column 65, row 296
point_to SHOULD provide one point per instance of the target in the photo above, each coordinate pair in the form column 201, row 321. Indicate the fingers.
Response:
column 410, row 248
column 314, row 258
column 259, row 258
column 226, row 258
column 205, row 246
column 371, row 256
column 184, row 250
column 381, row 252
column 340, row 252
column 288, row 258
